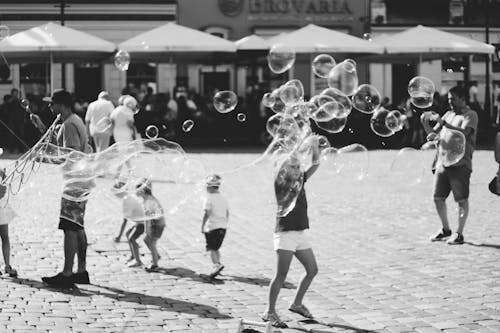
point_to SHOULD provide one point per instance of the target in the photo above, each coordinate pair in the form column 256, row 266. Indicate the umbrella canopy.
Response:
column 164, row 41
column 252, row 43
column 56, row 42
column 424, row 43
column 315, row 39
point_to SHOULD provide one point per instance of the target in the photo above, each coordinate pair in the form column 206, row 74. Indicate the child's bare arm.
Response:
column 315, row 158
column 204, row 220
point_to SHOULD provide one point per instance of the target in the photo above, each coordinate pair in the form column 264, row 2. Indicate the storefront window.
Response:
column 452, row 64
column 35, row 78
column 496, row 58
column 141, row 74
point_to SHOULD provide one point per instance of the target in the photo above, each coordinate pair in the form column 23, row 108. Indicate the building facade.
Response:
column 467, row 18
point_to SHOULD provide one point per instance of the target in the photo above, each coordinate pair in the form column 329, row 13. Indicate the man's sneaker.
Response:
column 10, row 271
column 59, row 281
column 216, row 271
column 441, row 235
column 152, row 269
column 456, row 239
column 80, row 278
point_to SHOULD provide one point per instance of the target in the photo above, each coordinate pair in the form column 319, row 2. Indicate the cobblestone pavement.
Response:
column 377, row 269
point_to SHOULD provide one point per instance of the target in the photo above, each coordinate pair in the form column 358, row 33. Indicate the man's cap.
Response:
column 103, row 95
column 59, row 96
column 213, row 180
column 130, row 102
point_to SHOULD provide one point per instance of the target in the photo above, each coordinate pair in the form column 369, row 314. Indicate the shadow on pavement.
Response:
column 264, row 282
column 165, row 303
column 493, row 246
column 333, row 325
column 183, row 272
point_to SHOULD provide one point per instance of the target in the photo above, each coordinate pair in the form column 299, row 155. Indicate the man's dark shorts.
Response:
column 72, row 214
column 454, row 179
column 214, row 239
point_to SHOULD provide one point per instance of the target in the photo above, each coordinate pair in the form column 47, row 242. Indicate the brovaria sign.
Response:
column 291, row 8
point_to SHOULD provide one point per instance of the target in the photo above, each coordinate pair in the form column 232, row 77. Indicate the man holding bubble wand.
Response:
column 453, row 177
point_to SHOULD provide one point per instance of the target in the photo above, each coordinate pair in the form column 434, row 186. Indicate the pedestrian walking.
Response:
column 98, row 122
column 6, row 214
column 214, row 222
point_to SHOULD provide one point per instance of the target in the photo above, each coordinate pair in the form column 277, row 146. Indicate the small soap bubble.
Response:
column 25, row 104
column 225, row 101
column 241, row 117
column 322, row 65
column 187, row 125
column 152, row 132
column 268, row 100
column 280, row 58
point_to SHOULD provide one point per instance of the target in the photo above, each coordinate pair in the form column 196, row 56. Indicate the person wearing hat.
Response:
column 72, row 134
column 214, row 222
column 98, row 121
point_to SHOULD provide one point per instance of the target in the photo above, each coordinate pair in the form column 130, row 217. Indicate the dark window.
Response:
column 141, row 74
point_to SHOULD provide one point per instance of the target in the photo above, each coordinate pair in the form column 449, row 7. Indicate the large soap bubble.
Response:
column 122, row 60
column 451, row 147
column 378, row 123
column 225, row 101
column 288, row 183
column 328, row 111
column 334, row 125
column 322, row 65
column 280, row 58
column 344, row 77
column 340, row 98
column 289, row 94
column 421, row 91
column 366, row 98
column 407, row 167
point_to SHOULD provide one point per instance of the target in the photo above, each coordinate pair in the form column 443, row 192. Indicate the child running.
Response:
column 214, row 222
column 291, row 238
column 6, row 214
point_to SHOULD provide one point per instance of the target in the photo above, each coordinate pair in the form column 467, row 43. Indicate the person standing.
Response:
column 98, row 122
column 454, row 178
column 122, row 120
column 72, row 134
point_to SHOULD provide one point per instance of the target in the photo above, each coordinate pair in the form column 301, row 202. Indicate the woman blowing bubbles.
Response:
column 291, row 234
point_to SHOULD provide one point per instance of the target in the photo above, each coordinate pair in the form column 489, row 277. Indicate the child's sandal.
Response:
column 301, row 310
column 11, row 271
column 274, row 319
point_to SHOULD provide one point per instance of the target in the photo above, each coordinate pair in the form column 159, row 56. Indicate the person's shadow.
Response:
column 264, row 282
column 493, row 246
column 165, row 303
column 187, row 273
column 346, row 328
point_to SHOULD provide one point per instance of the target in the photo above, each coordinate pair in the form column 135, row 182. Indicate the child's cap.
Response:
column 213, row 180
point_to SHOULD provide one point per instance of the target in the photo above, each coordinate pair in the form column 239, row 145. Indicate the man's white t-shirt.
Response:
column 96, row 111
column 217, row 206
column 121, row 116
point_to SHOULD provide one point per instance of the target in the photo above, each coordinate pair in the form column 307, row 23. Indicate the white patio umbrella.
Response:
column 315, row 39
column 252, row 43
column 423, row 43
column 164, row 41
column 55, row 43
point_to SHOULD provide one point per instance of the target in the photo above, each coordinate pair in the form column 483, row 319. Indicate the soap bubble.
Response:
column 268, row 100
column 122, row 60
column 241, row 117
column 334, row 125
column 451, row 147
column 187, row 125
column 225, row 101
column 344, row 77
column 322, row 65
column 378, row 123
column 394, row 121
column 366, row 98
column 421, row 91
column 152, row 132
column 280, row 58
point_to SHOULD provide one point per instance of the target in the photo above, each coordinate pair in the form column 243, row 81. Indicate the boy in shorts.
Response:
column 214, row 222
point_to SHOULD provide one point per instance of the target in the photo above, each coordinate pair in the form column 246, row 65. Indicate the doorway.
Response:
column 401, row 76
column 88, row 81
column 215, row 80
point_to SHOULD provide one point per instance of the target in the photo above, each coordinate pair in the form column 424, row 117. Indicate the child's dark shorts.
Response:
column 154, row 228
column 214, row 238
column 138, row 230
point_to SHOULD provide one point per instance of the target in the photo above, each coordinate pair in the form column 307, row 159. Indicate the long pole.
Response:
column 63, row 65
column 487, row 95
